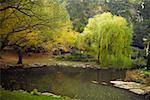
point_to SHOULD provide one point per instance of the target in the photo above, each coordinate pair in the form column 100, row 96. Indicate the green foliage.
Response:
column 108, row 37
column 139, row 61
column 145, row 72
column 35, row 92
column 135, row 11
column 30, row 22
column 76, row 57
column 16, row 95
column 137, row 53
column 62, row 40
column 81, row 10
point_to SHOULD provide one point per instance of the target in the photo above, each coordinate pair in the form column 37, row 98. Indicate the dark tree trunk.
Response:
column 148, row 62
column 1, row 49
column 20, row 55
column 1, row 52
column 98, row 57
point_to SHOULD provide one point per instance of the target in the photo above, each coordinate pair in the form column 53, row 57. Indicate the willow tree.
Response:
column 109, row 37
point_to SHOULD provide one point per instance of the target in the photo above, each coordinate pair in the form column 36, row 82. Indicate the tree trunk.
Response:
column 147, row 49
column 98, row 57
column 0, row 54
column 148, row 61
column 20, row 55
column 1, row 49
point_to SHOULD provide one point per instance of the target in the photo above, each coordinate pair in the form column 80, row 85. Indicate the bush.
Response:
column 35, row 92
column 139, row 61
column 76, row 57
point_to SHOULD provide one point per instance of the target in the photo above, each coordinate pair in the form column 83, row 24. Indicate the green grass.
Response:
column 17, row 95
column 76, row 57
column 144, row 71
column 125, row 63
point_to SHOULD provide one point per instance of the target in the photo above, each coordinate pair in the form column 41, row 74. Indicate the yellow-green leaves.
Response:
column 63, row 39
column 30, row 22
column 109, row 37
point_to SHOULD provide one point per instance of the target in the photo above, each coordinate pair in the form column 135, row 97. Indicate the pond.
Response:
column 79, row 83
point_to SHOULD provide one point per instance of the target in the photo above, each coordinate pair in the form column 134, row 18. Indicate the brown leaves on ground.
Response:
column 135, row 75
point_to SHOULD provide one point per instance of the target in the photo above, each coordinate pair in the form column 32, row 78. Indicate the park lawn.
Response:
column 37, row 58
column 17, row 95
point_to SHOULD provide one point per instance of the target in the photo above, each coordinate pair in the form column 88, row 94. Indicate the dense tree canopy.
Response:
column 26, row 23
column 29, row 18
column 81, row 10
column 109, row 37
column 135, row 11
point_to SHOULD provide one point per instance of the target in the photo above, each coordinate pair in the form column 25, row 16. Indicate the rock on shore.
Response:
column 132, row 86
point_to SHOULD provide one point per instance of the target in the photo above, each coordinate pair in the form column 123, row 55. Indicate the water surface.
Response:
column 72, row 82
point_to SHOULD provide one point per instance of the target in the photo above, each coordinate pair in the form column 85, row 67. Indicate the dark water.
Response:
column 72, row 82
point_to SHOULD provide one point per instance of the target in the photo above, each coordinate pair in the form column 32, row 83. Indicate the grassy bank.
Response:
column 17, row 95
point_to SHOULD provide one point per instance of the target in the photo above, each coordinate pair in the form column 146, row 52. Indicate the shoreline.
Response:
column 126, row 85
column 58, row 64
column 134, row 87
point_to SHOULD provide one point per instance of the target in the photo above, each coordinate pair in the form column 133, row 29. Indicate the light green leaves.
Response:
column 110, row 37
